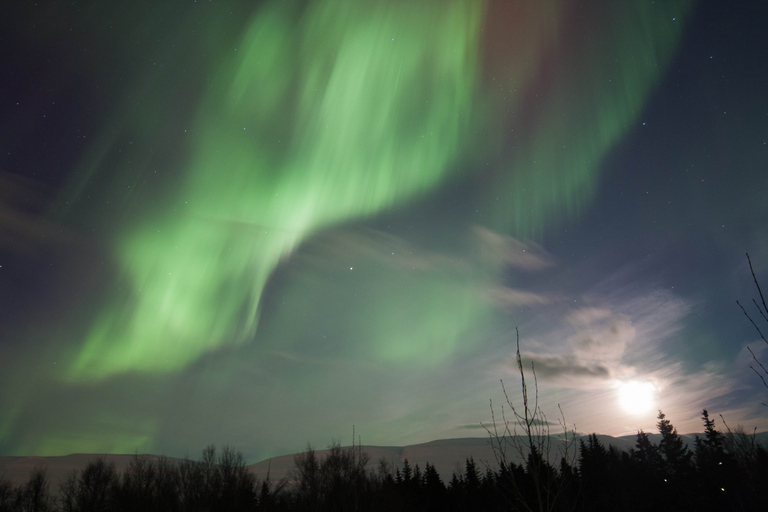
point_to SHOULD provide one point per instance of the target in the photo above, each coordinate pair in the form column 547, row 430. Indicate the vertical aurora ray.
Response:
column 329, row 114
column 587, row 93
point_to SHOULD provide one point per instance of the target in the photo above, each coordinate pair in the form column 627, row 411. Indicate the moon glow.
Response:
column 637, row 397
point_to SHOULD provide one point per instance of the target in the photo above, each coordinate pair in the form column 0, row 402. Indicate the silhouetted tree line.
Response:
column 217, row 482
column 725, row 471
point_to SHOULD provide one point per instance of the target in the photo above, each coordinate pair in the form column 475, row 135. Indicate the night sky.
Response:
column 262, row 223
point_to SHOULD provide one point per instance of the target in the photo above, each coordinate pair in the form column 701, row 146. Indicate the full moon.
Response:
column 637, row 397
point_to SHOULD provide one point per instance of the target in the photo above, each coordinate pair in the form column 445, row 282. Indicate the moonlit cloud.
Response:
column 503, row 248
column 509, row 297
column 601, row 336
column 624, row 335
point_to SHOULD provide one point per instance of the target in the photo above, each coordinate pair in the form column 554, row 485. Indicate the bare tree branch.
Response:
column 757, row 284
column 528, row 436
column 762, row 375
column 753, row 322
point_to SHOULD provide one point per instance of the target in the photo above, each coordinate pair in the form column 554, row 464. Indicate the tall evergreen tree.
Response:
column 677, row 457
column 434, row 492
column 710, row 450
column 677, row 469
column 713, row 466
column 646, row 470
column 593, row 466
column 471, row 476
column 646, row 454
column 407, row 473
column 432, row 478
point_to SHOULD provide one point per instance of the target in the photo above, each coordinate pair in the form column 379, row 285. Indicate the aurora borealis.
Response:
column 372, row 122
column 259, row 223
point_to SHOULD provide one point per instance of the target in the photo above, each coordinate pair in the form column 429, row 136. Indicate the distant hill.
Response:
column 447, row 455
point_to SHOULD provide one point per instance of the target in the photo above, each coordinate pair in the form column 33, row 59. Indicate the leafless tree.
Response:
column 7, row 495
column 526, row 436
column 92, row 489
column 337, row 481
column 762, row 373
column 33, row 496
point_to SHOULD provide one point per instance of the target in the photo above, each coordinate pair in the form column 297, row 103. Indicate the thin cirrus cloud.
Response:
column 486, row 249
column 508, row 250
column 350, row 245
column 602, row 335
column 510, row 297
column 624, row 332
column 596, row 344
column 24, row 229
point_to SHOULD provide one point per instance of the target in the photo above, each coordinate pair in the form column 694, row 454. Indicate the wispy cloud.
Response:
column 511, row 297
column 510, row 251
column 602, row 335
column 23, row 226
column 627, row 330
column 353, row 244
column 616, row 330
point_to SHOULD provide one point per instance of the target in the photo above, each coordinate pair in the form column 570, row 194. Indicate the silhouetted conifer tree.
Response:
column 417, row 479
column 645, row 464
column 595, row 470
column 713, row 465
column 434, row 491
column 677, row 456
column 676, row 468
column 471, row 495
column 471, row 477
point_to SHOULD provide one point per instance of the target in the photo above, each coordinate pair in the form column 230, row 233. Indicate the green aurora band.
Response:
column 336, row 110
column 377, row 108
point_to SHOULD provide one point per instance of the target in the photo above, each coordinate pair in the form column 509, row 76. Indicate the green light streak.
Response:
column 594, row 98
column 327, row 115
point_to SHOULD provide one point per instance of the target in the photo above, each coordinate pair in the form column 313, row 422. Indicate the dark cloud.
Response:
column 471, row 426
column 565, row 367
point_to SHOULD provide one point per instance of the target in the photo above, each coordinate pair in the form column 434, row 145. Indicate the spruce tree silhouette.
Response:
column 677, row 457
column 434, row 491
column 676, row 466
column 594, row 469
column 713, row 465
